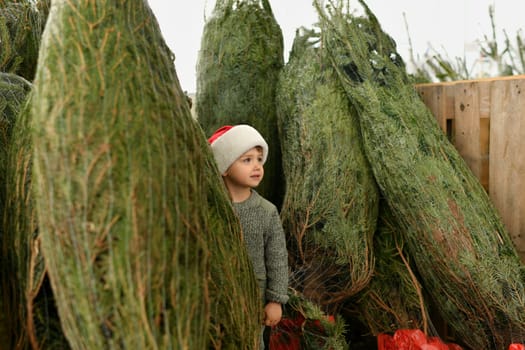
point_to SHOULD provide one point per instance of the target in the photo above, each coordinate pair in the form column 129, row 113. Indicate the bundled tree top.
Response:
column 331, row 199
column 240, row 57
column 464, row 255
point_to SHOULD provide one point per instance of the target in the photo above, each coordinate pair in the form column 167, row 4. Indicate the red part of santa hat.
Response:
column 229, row 142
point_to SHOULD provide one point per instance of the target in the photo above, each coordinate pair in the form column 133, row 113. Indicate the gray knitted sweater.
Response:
column 264, row 238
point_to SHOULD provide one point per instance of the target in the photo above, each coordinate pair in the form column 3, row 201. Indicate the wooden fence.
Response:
column 485, row 120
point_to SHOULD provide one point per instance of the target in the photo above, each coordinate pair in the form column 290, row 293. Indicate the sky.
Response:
column 450, row 27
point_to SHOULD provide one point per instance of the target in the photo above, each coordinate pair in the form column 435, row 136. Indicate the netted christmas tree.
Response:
column 465, row 257
column 240, row 58
column 394, row 299
column 27, row 298
column 124, row 181
column 21, row 26
column 330, row 206
column 13, row 93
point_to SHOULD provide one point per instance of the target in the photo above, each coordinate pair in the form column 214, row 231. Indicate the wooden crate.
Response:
column 485, row 120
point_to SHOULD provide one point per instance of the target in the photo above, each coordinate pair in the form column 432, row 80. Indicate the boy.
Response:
column 240, row 152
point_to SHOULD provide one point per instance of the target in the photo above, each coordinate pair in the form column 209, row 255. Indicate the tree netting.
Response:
column 26, row 297
column 13, row 92
column 21, row 26
column 240, row 58
column 123, row 179
column 465, row 257
column 330, row 206
column 394, row 299
column 28, row 303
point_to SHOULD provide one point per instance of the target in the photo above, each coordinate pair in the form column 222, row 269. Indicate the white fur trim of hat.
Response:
column 228, row 143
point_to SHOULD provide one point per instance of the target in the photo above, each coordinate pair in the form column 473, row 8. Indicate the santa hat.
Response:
column 229, row 142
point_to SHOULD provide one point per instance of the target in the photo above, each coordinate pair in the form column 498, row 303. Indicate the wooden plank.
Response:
column 467, row 124
column 507, row 163
column 481, row 80
column 431, row 96
column 485, row 103
column 484, row 143
column 485, row 120
column 439, row 98
column 449, row 110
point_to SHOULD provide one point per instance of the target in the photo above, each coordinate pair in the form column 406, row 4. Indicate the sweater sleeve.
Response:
column 276, row 257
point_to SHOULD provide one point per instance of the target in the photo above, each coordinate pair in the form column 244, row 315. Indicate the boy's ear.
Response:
column 226, row 172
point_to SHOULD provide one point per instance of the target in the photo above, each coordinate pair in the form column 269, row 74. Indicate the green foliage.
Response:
column 13, row 92
column 124, row 179
column 310, row 327
column 464, row 255
column 330, row 206
column 21, row 26
column 27, row 297
column 393, row 299
column 240, row 58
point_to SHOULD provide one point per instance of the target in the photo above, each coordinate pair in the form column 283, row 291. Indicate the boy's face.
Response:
column 247, row 170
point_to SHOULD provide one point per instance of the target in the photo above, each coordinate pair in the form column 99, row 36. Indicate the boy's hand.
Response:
column 273, row 313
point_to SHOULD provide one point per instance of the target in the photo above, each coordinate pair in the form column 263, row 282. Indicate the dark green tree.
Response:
column 21, row 26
